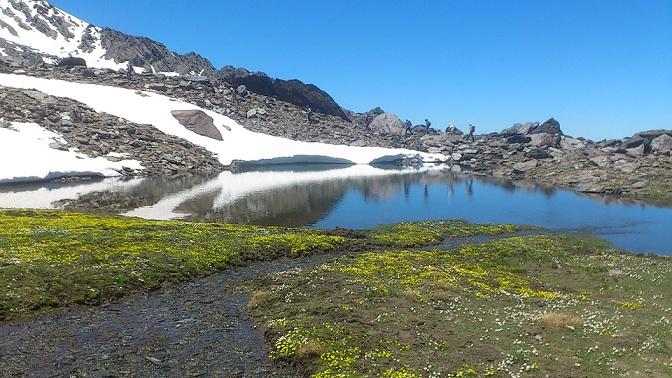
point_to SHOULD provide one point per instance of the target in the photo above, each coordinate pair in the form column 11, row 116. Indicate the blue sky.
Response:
column 603, row 68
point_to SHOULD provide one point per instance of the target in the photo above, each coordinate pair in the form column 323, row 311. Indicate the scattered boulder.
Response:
column 638, row 151
column 521, row 128
column 545, row 140
column 549, row 127
column 662, row 144
column 600, row 161
column 525, row 165
column 255, row 112
column 567, row 143
column 388, row 123
column 72, row 62
column 518, row 138
column 198, row 122
column 635, row 141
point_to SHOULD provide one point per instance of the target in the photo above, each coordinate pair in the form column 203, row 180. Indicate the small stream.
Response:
column 328, row 196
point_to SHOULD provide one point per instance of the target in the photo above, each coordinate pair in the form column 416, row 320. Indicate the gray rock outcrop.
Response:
column 388, row 123
column 662, row 144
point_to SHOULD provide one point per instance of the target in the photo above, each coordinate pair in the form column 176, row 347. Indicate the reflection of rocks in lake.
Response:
column 296, row 205
column 149, row 191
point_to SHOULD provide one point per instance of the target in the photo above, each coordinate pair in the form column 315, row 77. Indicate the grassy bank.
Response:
column 50, row 259
column 554, row 306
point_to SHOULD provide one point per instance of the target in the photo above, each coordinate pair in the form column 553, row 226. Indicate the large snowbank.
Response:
column 238, row 144
column 25, row 155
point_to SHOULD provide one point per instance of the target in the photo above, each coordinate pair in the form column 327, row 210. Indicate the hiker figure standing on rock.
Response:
column 427, row 126
column 234, row 95
column 309, row 114
column 129, row 71
column 367, row 121
column 472, row 130
column 408, row 126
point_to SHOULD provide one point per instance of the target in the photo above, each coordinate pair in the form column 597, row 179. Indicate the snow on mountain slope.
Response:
column 33, row 32
column 238, row 143
column 26, row 156
column 48, row 30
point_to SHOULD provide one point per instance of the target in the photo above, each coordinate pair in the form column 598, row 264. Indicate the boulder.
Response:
column 567, row 143
column 437, row 140
column 638, row 151
column 549, row 127
column 636, row 141
column 662, row 144
column 522, row 139
column 525, row 165
column 521, row 128
column 539, row 155
column 600, row 161
column 255, row 112
column 388, row 123
column 545, row 140
column 198, row 122
column 72, row 62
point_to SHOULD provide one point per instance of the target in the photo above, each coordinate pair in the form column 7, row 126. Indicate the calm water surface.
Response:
column 355, row 197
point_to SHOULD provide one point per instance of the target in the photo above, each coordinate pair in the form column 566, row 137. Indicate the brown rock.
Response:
column 198, row 122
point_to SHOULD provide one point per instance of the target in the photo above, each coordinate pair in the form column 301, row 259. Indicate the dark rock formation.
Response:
column 549, row 127
column 72, row 62
column 293, row 91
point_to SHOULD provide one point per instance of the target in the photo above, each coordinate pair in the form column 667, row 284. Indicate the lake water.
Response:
column 354, row 197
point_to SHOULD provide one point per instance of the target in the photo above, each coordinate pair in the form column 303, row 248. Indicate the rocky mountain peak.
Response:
column 33, row 32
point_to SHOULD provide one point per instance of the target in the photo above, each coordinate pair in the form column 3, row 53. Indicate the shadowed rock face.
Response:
column 198, row 122
column 293, row 91
column 72, row 62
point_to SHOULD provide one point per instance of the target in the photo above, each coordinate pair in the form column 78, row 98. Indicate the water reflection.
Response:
column 352, row 196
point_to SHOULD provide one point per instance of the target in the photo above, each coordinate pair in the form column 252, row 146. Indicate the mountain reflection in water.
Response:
column 357, row 196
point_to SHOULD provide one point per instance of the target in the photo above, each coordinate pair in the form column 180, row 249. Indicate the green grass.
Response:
column 51, row 259
column 517, row 306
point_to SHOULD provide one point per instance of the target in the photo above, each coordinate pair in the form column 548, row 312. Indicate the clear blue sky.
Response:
column 603, row 68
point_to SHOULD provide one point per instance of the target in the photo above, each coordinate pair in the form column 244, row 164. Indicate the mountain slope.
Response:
column 236, row 144
column 34, row 32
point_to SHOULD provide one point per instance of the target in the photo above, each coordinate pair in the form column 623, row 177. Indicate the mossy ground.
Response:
column 558, row 306
column 51, row 259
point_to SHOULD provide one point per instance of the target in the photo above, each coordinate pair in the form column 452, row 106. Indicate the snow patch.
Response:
column 26, row 156
column 238, row 144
